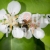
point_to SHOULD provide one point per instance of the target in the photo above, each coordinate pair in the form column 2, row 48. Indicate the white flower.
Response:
column 13, row 8
column 39, row 22
column 17, row 32
column 38, row 33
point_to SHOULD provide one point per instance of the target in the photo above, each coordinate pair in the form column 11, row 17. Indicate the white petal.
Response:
column 35, row 16
column 3, row 28
column 3, row 14
column 26, row 16
column 38, row 33
column 14, row 7
column 3, row 11
column 44, row 23
column 28, row 35
column 20, row 19
column 17, row 33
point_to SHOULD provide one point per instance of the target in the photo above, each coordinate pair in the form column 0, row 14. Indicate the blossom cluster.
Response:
column 22, row 25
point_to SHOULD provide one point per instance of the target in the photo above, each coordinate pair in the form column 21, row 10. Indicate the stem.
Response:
column 6, row 34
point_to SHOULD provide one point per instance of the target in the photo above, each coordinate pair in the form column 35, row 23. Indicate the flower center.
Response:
column 11, row 21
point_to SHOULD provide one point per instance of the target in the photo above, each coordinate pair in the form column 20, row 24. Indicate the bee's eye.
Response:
column 48, row 16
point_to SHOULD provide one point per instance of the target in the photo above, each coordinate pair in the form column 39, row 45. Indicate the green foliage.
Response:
column 1, row 35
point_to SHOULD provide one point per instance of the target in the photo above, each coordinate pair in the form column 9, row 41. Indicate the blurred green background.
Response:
column 33, row 6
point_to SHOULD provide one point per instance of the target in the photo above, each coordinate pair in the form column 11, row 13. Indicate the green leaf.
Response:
column 9, row 43
column 5, row 43
column 22, row 44
column 47, row 48
column 36, row 6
